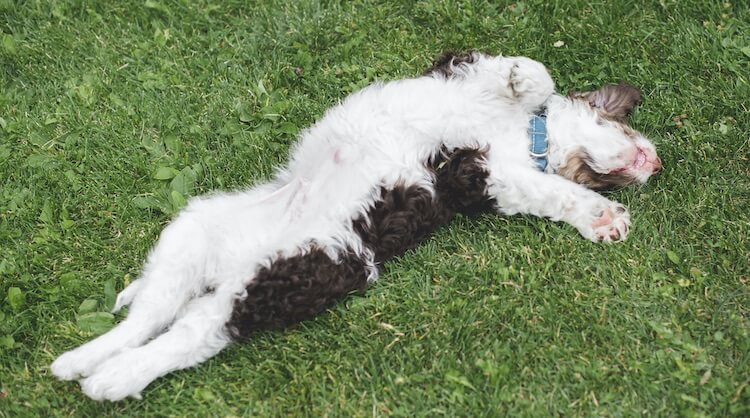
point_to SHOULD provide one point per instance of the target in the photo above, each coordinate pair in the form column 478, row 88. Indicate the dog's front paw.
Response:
column 529, row 82
column 610, row 225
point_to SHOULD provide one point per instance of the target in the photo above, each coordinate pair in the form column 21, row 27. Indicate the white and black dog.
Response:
column 374, row 177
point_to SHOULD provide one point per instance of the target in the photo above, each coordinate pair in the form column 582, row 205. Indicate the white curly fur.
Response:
column 376, row 137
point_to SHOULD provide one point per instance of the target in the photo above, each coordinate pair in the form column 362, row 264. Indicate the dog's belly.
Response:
column 296, row 287
column 370, row 189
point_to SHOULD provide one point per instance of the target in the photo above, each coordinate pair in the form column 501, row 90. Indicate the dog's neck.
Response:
column 560, row 132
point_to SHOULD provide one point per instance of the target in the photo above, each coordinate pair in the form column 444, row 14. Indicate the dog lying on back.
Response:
column 374, row 177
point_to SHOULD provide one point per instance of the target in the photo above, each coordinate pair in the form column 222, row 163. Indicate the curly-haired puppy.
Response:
column 371, row 179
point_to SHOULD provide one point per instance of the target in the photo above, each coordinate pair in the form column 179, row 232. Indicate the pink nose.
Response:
column 657, row 166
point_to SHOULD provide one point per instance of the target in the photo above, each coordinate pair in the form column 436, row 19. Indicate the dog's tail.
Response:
column 127, row 295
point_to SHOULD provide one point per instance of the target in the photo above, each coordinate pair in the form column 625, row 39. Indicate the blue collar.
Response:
column 539, row 147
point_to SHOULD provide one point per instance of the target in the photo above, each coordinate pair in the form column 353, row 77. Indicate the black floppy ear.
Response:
column 613, row 101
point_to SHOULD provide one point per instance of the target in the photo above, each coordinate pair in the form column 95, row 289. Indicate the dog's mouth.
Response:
column 638, row 162
column 640, row 159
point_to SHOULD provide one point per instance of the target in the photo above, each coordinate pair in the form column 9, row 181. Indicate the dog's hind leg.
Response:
column 290, row 290
column 180, row 268
column 171, row 277
column 197, row 335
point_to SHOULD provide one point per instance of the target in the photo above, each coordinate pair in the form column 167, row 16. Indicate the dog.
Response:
column 370, row 180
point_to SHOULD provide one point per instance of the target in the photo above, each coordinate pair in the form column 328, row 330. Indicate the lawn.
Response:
column 112, row 114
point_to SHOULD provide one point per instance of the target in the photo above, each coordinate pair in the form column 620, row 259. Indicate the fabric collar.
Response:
column 539, row 146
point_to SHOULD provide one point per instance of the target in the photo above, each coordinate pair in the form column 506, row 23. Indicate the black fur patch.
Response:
column 294, row 289
column 403, row 218
column 297, row 288
column 445, row 63
column 406, row 215
column 461, row 181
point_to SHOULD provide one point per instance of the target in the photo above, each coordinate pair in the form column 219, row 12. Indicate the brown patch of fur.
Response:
column 577, row 168
column 612, row 101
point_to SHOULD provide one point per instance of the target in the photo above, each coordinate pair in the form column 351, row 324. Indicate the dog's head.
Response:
column 596, row 147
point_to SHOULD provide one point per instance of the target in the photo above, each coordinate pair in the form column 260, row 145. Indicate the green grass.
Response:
column 112, row 113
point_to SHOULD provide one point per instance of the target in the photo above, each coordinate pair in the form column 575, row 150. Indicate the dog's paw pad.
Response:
column 611, row 224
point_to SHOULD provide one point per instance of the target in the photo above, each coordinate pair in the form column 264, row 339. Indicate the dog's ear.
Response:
column 612, row 101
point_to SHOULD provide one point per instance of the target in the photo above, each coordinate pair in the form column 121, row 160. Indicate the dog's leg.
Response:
column 170, row 279
column 175, row 271
column 289, row 290
column 524, row 80
column 197, row 335
column 519, row 80
column 519, row 189
column 145, row 319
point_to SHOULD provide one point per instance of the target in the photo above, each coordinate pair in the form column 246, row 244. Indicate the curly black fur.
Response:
column 443, row 65
column 461, row 181
column 297, row 288
column 294, row 289
column 403, row 218
column 406, row 215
